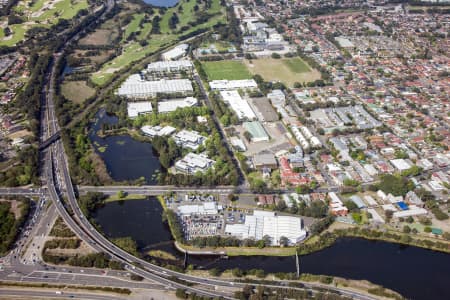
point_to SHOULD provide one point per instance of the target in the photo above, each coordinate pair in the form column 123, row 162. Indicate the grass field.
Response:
column 77, row 91
column 287, row 70
column 226, row 69
column 296, row 65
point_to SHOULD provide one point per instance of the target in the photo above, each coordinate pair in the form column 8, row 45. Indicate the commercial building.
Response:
column 153, row 131
column 175, row 53
column 206, row 208
column 238, row 105
column 193, row 163
column 170, row 66
column 257, row 131
column 264, row 160
column 223, row 85
column 189, row 139
column 138, row 108
column 172, row 105
column 137, row 87
column 264, row 223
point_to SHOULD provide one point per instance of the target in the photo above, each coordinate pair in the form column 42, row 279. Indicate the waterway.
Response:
column 125, row 158
column 162, row 3
column 414, row 272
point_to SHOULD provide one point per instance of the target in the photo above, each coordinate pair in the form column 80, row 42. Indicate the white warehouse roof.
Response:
column 136, row 87
column 137, row 108
column 222, row 85
column 239, row 105
column 172, row 105
column 266, row 223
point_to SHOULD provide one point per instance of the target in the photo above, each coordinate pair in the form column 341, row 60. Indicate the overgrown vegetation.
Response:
column 9, row 225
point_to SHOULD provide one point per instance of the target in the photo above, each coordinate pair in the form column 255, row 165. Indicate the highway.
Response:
column 56, row 294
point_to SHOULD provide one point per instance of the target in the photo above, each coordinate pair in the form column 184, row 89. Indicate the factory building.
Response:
column 223, row 85
column 264, row 223
column 138, row 88
column 175, row 53
column 257, row 131
column 138, row 108
column 170, row 66
column 238, row 105
column 172, row 105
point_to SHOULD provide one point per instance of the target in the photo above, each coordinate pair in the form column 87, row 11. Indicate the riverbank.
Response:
column 332, row 234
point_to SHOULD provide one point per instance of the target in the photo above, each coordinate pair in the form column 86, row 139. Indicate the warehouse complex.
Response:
column 239, row 105
column 138, row 88
column 265, row 223
column 172, row 105
column 138, row 108
column 223, row 85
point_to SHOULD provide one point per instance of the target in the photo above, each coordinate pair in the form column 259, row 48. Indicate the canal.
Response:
column 414, row 272
column 126, row 159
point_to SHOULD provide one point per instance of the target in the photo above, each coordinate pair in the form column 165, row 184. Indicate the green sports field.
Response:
column 296, row 65
column 226, row 69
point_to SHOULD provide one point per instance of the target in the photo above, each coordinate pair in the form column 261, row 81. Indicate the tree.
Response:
column 406, row 229
column 388, row 214
column 181, row 293
column 427, row 229
column 121, row 194
column 276, row 55
column 284, row 241
column 410, row 220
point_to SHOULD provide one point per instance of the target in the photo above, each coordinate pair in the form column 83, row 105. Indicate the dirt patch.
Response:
column 19, row 134
column 100, row 37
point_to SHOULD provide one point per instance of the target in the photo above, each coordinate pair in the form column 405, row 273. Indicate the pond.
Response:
column 414, row 272
column 162, row 3
column 125, row 158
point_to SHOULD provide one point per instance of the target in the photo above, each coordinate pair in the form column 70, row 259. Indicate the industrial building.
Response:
column 257, row 131
column 138, row 108
column 189, row 139
column 265, row 223
column 265, row 160
column 238, row 105
column 153, row 131
column 170, row 66
column 137, row 87
column 172, row 105
column 223, row 85
column 193, row 163
column 175, row 53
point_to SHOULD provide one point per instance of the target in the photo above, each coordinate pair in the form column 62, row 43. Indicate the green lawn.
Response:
column 296, row 65
column 132, row 26
column 226, row 69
